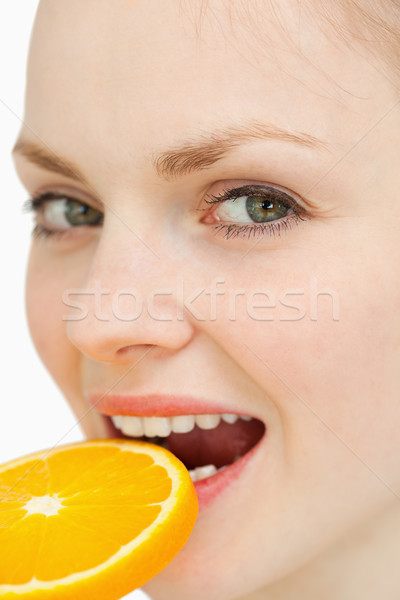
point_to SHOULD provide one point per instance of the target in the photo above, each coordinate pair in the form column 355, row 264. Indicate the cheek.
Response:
column 325, row 349
column 46, row 282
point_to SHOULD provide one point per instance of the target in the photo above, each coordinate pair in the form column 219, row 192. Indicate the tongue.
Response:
column 220, row 446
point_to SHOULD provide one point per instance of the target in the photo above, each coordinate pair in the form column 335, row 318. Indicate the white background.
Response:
column 34, row 415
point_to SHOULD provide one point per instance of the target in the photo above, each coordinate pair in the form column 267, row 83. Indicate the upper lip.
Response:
column 155, row 405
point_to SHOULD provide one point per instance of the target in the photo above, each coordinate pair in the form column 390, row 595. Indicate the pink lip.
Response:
column 209, row 488
column 154, row 405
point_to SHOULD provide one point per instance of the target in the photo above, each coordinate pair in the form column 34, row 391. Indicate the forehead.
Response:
column 138, row 73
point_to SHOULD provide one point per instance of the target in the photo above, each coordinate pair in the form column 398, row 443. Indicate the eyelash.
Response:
column 228, row 230
column 248, row 230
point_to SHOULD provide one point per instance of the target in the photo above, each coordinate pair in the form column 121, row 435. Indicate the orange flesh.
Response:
column 104, row 497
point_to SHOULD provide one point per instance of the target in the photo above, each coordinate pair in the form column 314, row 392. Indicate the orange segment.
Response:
column 16, row 560
column 68, row 466
column 24, row 480
column 91, row 520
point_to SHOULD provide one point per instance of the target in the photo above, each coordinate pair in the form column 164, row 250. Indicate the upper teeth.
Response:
column 163, row 426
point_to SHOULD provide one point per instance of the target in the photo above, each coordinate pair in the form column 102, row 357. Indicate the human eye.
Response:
column 256, row 209
column 56, row 214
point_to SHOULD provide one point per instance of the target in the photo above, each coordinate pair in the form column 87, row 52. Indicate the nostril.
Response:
column 128, row 352
column 131, row 348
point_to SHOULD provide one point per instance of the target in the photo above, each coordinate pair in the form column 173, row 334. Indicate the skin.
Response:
column 316, row 514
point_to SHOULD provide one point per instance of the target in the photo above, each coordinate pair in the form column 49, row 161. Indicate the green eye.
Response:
column 65, row 213
column 78, row 214
column 253, row 204
column 261, row 209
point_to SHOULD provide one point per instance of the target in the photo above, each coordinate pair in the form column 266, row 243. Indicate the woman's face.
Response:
column 280, row 302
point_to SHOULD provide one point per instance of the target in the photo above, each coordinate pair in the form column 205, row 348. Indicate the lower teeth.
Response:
column 200, row 473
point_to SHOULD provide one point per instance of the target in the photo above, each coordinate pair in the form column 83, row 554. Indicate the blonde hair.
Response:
column 372, row 25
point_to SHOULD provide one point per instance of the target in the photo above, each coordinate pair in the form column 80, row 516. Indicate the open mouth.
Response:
column 205, row 443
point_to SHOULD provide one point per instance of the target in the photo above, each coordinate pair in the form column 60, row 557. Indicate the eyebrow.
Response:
column 209, row 149
column 191, row 156
column 49, row 160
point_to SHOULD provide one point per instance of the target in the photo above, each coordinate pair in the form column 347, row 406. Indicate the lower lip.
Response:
column 210, row 488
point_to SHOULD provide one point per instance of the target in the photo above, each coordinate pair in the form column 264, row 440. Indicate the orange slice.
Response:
column 91, row 520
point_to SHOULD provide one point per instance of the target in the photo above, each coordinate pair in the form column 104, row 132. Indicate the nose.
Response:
column 128, row 301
